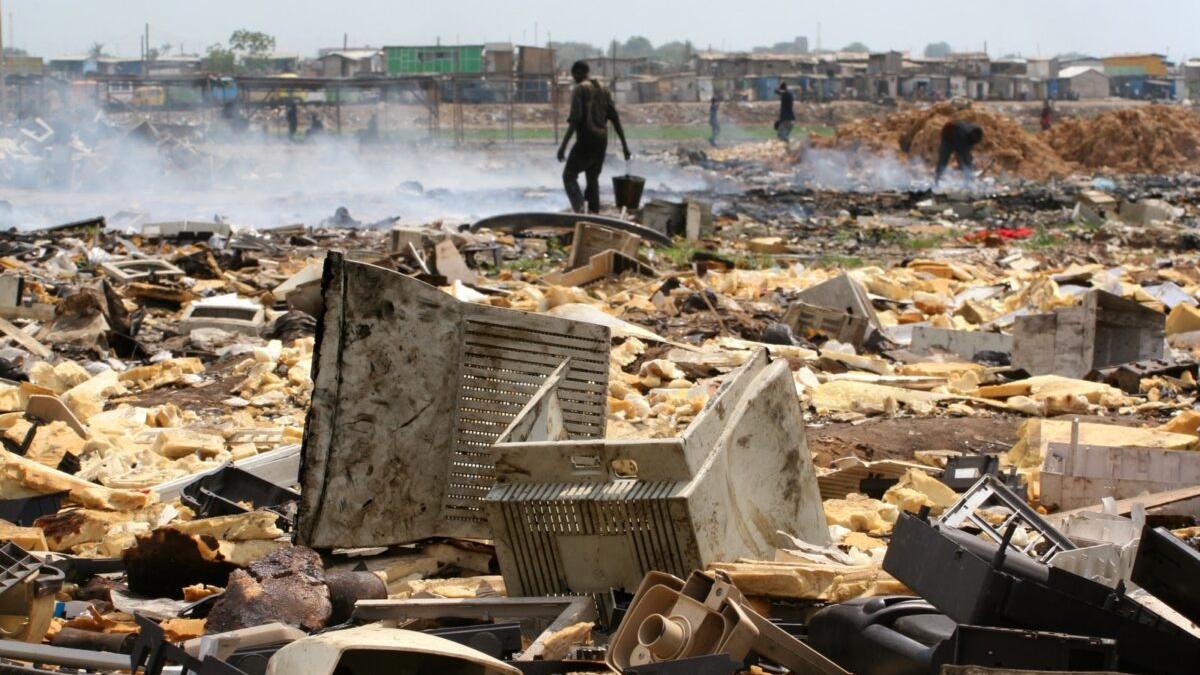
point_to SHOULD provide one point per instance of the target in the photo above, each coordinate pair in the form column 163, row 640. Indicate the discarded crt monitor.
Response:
column 584, row 516
column 1104, row 330
column 411, row 387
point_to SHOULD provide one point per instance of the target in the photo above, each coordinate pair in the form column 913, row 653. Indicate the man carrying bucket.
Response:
column 591, row 110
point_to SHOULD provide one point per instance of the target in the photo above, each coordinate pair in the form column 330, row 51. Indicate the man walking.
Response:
column 714, row 121
column 591, row 110
column 787, row 113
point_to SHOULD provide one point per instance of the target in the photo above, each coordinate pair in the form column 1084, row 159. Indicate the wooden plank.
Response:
column 37, row 312
column 1125, row 506
column 24, row 339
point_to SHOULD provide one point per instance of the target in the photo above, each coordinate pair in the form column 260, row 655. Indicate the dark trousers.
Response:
column 963, row 154
column 587, row 159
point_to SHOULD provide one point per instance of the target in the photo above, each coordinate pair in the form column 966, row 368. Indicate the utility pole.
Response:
column 146, row 53
column 3, row 81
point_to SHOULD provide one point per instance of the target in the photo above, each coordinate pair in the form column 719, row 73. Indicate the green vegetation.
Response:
column 837, row 261
column 1045, row 239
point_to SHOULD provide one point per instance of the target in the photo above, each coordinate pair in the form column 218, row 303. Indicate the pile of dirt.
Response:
column 771, row 153
column 1152, row 139
column 1007, row 148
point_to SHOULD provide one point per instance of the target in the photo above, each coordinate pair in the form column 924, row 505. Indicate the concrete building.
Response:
column 1082, row 82
column 350, row 62
column 1146, row 65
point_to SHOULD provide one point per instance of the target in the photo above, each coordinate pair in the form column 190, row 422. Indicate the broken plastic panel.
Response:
column 498, row 640
column 671, row 620
column 371, row 649
column 1104, row 330
column 978, row 582
column 1080, row 475
column 125, row 271
column 225, row 493
column 1043, row 540
column 27, row 592
column 713, row 664
column 843, row 294
column 411, row 387
column 804, row 318
column 26, row 510
column 1169, row 569
column 585, row 516
column 226, row 312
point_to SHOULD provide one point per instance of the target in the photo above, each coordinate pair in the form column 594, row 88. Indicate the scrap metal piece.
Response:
column 584, row 516
column 1170, row 570
column 519, row 222
column 66, row 657
column 1128, row 376
column 411, row 387
column 1104, row 330
column 670, row 619
column 989, row 489
column 378, row 649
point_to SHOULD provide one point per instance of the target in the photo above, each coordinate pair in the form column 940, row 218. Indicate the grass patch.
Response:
column 1045, row 239
column 839, row 261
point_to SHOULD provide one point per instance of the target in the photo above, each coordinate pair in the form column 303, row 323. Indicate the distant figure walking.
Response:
column 1047, row 115
column 713, row 120
column 293, row 118
column 591, row 110
column 315, row 126
column 958, row 138
column 787, row 113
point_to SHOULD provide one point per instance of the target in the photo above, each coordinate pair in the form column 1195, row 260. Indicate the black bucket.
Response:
column 628, row 191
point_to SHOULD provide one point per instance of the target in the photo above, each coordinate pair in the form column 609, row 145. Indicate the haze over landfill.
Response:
column 643, row 338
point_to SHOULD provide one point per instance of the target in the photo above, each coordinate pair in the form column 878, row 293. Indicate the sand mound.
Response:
column 1007, row 148
column 768, row 152
column 1150, row 139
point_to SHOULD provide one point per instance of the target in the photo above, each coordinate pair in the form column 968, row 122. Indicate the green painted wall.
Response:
column 443, row 59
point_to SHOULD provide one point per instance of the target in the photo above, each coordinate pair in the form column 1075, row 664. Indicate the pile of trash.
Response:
column 556, row 443
column 1007, row 148
column 1152, row 139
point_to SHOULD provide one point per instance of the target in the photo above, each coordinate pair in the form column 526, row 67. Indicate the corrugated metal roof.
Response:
column 1075, row 71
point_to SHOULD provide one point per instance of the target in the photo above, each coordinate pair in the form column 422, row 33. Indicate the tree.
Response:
column 937, row 50
column 856, row 47
column 219, row 59
column 252, row 48
column 675, row 53
column 799, row 45
column 96, row 50
column 636, row 47
column 15, row 51
column 566, row 53
column 251, row 43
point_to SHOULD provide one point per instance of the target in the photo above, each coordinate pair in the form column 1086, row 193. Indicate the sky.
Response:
column 1028, row 27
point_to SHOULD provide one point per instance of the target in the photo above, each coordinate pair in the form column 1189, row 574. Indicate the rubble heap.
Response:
column 1151, row 139
column 916, row 133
